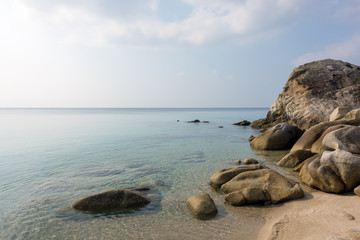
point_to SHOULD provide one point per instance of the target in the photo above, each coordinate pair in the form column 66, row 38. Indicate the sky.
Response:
column 165, row 53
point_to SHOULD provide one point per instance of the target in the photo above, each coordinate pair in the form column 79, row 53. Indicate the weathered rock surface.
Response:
column 293, row 159
column 312, row 92
column 224, row 175
column 243, row 123
column 248, row 161
column 357, row 190
column 346, row 138
column 247, row 196
column 251, row 138
column 276, row 187
column 336, row 171
column 115, row 199
column 281, row 136
column 338, row 113
column 202, row 206
column 317, row 147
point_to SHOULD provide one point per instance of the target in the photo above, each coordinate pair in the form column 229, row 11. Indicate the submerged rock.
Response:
column 224, row 175
column 312, row 92
column 110, row 200
column 281, row 136
column 202, row 206
column 269, row 186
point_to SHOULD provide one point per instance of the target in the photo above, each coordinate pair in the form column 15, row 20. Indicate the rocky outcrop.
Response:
column 275, row 187
column 312, row 92
column 338, row 113
column 293, row 159
column 111, row 200
column 224, row 175
column 336, row 171
column 202, row 206
column 281, row 136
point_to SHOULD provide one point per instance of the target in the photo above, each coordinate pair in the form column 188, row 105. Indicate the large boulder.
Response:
column 202, row 206
column 346, row 138
column 224, row 175
column 336, row 171
column 317, row 147
column 338, row 113
column 111, row 200
column 293, row 159
column 247, row 196
column 276, row 187
column 281, row 136
column 312, row 92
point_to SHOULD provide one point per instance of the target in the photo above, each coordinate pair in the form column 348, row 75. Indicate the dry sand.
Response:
column 317, row 216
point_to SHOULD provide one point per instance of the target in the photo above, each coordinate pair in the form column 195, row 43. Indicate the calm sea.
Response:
column 50, row 158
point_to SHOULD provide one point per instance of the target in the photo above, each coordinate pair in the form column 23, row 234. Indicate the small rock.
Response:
column 251, row 138
column 238, row 161
column 220, row 127
column 206, row 122
column 194, row 121
column 357, row 190
column 202, row 206
column 115, row 199
column 250, row 161
column 243, row 123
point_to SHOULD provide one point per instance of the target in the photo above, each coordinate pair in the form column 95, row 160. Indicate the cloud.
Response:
column 96, row 22
column 180, row 74
column 345, row 50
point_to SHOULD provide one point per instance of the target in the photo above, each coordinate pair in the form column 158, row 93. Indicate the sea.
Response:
column 50, row 158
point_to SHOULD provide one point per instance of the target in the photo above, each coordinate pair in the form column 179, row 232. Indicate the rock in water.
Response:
column 243, row 123
column 281, row 136
column 224, row 175
column 202, row 206
column 336, row 172
column 312, row 92
column 110, row 200
column 248, row 161
column 271, row 186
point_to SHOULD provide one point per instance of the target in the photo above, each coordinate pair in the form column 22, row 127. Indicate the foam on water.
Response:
column 52, row 157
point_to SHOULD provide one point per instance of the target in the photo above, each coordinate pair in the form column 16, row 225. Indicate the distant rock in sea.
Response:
column 312, row 92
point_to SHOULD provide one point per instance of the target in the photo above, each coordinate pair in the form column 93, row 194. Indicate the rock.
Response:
column 357, row 190
column 194, row 121
column 281, row 136
column 336, row 172
column 251, row 138
column 312, row 92
column 317, row 146
column 224, row 175
column 338, row 113
column 277, row 187
column 293, row 159
column 346, row 138
column 202, row 206
column 353, row 116
column 206, row 122
column 220, row 127
column 238, row 161
column 247, row 196
column 115, row 199
column 250, row 161
column 243, row 123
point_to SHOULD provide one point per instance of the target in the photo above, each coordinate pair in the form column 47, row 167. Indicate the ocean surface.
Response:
column 50, row 158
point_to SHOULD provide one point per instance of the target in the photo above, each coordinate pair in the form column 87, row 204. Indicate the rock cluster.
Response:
column 312, row 92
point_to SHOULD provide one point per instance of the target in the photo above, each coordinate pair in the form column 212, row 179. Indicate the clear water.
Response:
column 50, row 158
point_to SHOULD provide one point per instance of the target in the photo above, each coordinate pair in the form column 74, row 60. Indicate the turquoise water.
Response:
column 51, row 158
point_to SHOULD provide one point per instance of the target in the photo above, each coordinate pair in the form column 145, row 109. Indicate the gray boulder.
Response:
column 346, row 138
column 336, row 171
column 277, row 187
column 224, row 175
column 317, row 147
column 293, row 159
column 281, row 136
column 115, row 199
column 202, row 206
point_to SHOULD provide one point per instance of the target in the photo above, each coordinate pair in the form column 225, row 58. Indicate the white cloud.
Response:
column 345, row 50
column 180, row 74
column 209, row 21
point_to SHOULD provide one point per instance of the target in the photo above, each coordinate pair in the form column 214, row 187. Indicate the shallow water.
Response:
column 50, row 158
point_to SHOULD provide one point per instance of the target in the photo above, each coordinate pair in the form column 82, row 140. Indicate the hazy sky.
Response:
column 165, row 53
